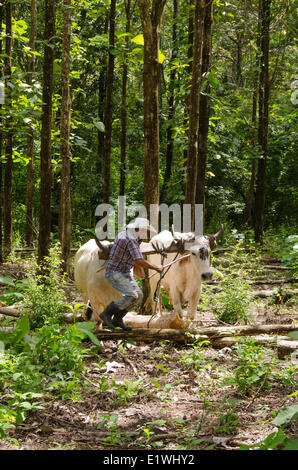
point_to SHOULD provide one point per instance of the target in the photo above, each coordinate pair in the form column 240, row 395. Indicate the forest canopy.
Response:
column 80, row 81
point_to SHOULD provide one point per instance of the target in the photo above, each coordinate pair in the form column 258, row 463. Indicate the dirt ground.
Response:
column 150, row 397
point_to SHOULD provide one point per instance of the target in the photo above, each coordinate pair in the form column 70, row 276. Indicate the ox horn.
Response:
column 175, row 236
column 103, row 248
column 220, row 232
column 179, row 243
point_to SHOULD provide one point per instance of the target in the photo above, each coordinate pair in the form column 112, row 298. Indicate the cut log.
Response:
column 9, row 311
column 168, row 321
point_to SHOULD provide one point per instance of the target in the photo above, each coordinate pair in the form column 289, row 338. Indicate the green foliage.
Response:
column 289, row 255
column 231, row 305
column 279, row 439
column 115, row 436
column 44, row 295
column 253, row 368
column 195, row 357
column 228, row 417
column 14, row 292
column 126, row 391
column 50, row 359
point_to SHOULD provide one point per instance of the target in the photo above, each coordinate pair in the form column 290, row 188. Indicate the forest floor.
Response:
column 170, row 396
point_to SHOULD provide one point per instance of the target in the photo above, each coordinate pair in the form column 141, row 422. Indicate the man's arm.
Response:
column 146, row 265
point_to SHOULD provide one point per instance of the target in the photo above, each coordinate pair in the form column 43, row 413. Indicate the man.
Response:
column 125, row 254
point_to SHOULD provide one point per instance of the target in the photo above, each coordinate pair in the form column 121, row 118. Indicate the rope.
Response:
column 162, row 275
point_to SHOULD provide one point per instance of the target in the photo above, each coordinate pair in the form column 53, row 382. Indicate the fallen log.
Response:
column 277, row 268
column 284, row 345
column 13, row 312
column 243, row 330
column 268, row 293
column 274, row 281
column 10, row 311
column 187, row 336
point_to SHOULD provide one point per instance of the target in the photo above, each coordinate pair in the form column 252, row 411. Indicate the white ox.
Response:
column 183, row 281
column 90, row 279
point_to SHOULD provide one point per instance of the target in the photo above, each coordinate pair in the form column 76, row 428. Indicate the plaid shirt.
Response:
column 124, row 252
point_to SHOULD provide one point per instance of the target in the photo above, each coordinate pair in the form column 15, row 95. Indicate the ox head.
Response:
column 200, row 248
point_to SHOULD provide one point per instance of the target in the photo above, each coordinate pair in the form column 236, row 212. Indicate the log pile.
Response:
column 171, row 327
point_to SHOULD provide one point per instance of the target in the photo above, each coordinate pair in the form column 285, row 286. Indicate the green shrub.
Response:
column 231, row 305
column 289, row 255
column 44, row 295
column 254, row 368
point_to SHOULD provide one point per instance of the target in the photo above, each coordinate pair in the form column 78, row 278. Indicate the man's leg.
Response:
column 127, row 286
column 131, row 296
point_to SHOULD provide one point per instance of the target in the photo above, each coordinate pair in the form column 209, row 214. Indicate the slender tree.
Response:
column 1, row 133
column 109, row 105
column 65, row 201
column 123, row 144
column 30, row 136
column 8, row 134
column 190, row 44
column 45, row 151
column 204, row 106
column 251, row 187
column 102, row 86
column 171, row 104
column 264, row 90
column 192, row 148
column 151, row 23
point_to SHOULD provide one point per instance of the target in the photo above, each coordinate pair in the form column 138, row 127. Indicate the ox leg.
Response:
column 176, row 301
column 97, row 308
column 193, row 304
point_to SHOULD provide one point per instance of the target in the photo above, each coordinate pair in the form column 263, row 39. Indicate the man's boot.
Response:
column 107, row 314
column 118, row 316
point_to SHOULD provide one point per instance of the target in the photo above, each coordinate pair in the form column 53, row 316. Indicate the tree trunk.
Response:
column 263, row 119
column 151, row 22
column 123, row 103
column 250, row 193
column 1, row 132
column 45, row 151
column 204, row 107
column 171, row 115
column 102, row 82
column 192, row 149
column 65, row 203
column 30, row 137
column 8, row 136
column 189, row 69
column 109, row 106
